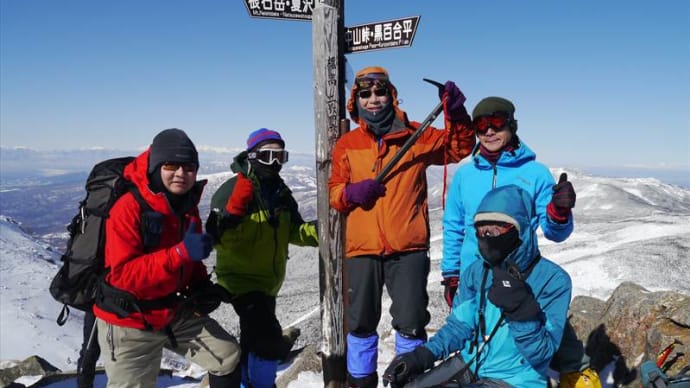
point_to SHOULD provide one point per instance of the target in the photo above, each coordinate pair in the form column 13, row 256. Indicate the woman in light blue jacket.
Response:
column 509, row 316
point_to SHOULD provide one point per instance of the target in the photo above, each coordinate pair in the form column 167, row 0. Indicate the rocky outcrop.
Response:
column 32, row 366
column 633, row 326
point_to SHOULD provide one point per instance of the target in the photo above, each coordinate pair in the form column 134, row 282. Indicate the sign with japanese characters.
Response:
column 281, row 9
column 381, row 35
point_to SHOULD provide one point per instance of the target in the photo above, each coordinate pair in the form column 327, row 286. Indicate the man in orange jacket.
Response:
column 387, row 235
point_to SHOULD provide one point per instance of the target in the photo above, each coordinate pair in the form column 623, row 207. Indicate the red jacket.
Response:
column 159, row 273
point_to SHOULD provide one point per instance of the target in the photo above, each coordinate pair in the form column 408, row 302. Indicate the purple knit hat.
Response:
column 261, row 136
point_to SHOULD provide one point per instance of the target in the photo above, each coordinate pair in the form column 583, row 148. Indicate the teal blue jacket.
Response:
column 520, row 352
column 472, row 181
column 252, row 252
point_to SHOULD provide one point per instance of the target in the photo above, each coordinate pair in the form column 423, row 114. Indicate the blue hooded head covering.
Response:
column 512, row 204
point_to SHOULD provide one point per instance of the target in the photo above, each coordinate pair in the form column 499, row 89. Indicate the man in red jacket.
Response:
column 155, row 298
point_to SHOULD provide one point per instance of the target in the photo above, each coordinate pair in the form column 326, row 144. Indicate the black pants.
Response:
column 260, row 331
column 405, row 278
column 89, row 353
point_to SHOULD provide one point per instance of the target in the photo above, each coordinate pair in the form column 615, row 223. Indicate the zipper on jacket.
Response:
column 493, row 185
column 377, row 162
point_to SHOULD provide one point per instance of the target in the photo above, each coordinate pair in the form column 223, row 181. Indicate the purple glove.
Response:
column 364, row 193
column 455, row 101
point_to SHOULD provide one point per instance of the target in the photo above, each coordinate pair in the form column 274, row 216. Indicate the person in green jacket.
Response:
column 253, row 219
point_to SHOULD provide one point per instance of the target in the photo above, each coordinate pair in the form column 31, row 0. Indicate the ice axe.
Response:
column 425, row 124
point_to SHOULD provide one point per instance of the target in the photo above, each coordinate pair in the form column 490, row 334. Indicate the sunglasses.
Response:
column 498, row 121
column 366, row 93
column 493, row 230
column 268, row 156
column 174, row 166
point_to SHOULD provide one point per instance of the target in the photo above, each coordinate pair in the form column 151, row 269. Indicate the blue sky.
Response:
column 596, row 83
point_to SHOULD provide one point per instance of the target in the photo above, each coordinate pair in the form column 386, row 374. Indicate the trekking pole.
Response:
column 425, row 124
column 89, row 343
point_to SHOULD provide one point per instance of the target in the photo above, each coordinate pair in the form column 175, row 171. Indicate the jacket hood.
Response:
column 352, row 106
column 514, row 205
column 240, row 163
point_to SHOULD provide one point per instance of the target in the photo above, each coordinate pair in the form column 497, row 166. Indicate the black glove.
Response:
column 407, row 366
column 513, row 297
column 450, row 284
column 562, row 200
column 204, row 298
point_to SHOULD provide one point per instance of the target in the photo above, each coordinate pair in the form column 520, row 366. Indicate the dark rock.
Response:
column 633, row 326
column 32, row 366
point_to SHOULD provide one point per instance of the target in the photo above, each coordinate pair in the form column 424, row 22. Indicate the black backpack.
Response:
column 77, row 282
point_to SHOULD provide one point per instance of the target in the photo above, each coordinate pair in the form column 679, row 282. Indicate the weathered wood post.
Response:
column 329, row 117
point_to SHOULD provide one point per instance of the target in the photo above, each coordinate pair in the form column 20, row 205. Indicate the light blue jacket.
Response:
column 472, row 181
column 520, row 352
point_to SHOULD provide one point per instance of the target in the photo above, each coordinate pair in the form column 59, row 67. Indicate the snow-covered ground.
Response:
column 626, row 229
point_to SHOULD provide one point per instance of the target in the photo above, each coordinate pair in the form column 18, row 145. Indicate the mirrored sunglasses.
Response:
column 174, row 166
column 366, row 93
column 493, row 230
column 268, row 156
column 498, row 121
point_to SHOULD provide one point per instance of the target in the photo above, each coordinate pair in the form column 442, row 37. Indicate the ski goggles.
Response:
column 268, row 156
column 174, row 166
column 493, row 230
column 366, row 93
column 372, row 79
column 497, row 120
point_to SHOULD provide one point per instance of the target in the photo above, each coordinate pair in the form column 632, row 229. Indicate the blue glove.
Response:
column 198, row 245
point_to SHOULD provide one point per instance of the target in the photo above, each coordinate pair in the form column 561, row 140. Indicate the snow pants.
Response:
column 132, row 357
column 261, row 339
column 405, row 277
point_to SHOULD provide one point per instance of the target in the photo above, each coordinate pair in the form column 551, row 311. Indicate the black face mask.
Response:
column 495, row 249
column 264, row 171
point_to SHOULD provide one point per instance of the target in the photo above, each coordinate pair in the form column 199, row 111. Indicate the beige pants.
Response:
column 132, row 357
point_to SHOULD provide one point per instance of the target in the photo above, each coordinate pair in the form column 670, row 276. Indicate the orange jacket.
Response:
column 399, row 221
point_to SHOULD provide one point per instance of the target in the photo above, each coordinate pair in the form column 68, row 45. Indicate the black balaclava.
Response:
column 381, row 122
column 495, row 249
column 266, row 172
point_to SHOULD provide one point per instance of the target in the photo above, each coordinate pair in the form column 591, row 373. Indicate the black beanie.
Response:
column 172, row 145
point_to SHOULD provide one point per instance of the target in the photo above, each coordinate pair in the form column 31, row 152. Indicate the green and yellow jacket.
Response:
column 252, row 251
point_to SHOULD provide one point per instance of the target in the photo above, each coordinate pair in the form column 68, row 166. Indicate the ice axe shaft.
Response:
column 425, row 124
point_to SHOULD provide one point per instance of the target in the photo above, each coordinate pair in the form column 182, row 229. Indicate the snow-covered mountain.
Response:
column 626, row 229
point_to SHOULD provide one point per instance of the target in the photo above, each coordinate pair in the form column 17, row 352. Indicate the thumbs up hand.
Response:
column 562, row 201
column 198, row 245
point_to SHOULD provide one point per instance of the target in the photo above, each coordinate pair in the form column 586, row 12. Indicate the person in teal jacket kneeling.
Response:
column 508, row 318
column 253, row 219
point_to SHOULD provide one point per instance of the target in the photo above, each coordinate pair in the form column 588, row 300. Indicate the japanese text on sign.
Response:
column 381, row 35
column 281, row 9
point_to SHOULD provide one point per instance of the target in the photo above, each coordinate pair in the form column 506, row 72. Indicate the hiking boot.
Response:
column 369, row 381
